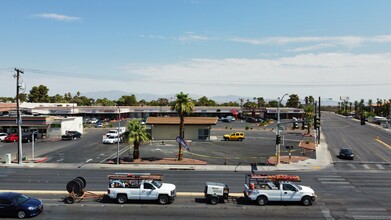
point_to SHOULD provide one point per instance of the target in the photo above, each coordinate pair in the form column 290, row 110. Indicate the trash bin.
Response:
column 8, row 158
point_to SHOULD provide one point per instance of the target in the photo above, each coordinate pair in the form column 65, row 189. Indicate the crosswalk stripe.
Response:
column 366, row 166
column 352, row 166
column 332, row 179
column 380, row 166
column 335, row 183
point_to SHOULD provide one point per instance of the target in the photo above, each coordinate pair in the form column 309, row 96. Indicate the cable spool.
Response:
column 76, row 186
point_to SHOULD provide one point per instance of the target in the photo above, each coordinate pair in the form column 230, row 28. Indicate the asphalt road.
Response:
column 344, row 194
column 371, row 145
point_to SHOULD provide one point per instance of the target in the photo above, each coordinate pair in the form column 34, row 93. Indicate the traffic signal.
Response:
column 362, row 120
column 278, row 139
column 318, row 122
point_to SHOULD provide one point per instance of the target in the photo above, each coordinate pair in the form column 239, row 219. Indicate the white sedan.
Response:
column 2, row 136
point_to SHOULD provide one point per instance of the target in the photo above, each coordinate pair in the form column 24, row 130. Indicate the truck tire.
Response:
column 69, row 200
column 262, row 200
column 121, row 199
column 307, row 201
column 163, row 199
column 214, row 200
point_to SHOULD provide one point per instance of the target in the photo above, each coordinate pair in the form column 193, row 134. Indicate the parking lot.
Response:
column 258, row 145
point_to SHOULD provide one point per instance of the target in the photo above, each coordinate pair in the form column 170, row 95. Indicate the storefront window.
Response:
column 203, row 134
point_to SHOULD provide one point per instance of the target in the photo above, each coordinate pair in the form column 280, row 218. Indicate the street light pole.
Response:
column 119, row 124
column 278, row 145
column 32, row 145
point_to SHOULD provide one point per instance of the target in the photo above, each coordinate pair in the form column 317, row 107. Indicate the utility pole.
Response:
column 18, row 119
column 319, row 122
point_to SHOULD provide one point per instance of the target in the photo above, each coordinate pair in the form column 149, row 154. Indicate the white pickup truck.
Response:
column 111, row 140
column 265, row 188
column 140, row 186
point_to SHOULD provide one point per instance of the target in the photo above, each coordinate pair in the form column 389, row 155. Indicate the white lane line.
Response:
column 329, row 177
column 380, row 166
column 369, row 209
column 332, row 179
column 335, row 183
column 370, row 217
column 325, row 211
column 352, row 166
column 366, row 166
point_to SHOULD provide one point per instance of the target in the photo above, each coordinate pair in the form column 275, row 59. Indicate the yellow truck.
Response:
column 236, row 136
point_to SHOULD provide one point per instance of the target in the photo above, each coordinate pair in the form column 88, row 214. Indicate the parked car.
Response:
column 251, row 120
column 11, row 138
column 71, row 135
column 98, row 124
column 26, row 138
column 2, row 136
column 346, row 153
column 18, row 205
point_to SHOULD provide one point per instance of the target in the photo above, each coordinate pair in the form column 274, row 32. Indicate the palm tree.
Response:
column 370, row 105
column 184, row 106
column 137, row 134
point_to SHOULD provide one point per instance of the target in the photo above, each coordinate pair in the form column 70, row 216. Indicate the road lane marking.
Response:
column 335, row 179
column 335, row 183
column 382, row 142
column 352, row 166
column 325, row 211
column 371, row 217
column 369, row 209
column 366, row 166
column 380, row 166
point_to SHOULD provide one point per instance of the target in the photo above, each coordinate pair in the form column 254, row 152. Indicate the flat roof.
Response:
column 176, row 120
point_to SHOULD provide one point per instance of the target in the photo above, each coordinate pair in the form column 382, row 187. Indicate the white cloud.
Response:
column 190, row 36
column 311, row 47
column 58, row 17
column 184, row 38
column 323, row 74
column 344, row 41
column 311, row 69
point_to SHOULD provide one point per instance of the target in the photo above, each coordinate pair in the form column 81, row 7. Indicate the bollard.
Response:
column 8, row 159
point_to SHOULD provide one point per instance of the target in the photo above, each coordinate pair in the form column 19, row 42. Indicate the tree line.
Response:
column 40, row 94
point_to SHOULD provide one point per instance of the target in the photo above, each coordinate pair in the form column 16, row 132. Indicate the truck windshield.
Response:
column 297, row 186
column 157, row 184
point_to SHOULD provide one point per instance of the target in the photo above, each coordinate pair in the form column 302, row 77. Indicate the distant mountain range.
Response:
column 116, row 94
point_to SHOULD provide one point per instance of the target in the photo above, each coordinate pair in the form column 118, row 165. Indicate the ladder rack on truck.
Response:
column 135, row 176
column 262, row 178
column 125, row 179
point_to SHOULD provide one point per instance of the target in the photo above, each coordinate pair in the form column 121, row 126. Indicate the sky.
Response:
column 251, row 48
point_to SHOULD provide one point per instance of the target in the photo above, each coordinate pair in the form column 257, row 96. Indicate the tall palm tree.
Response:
column 184, row 106
column 370, row 105
column 137, row 134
